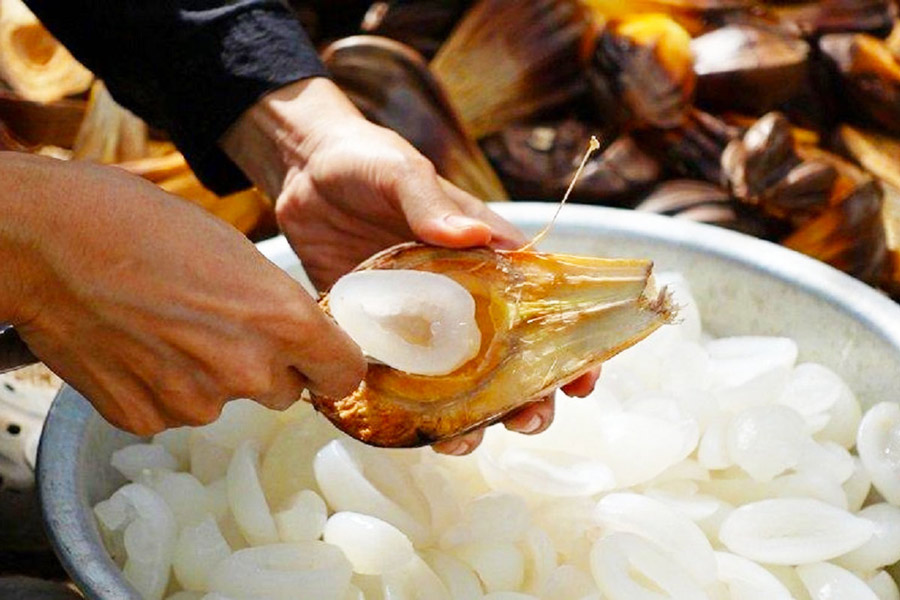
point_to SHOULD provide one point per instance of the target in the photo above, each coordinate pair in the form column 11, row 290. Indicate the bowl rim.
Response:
column 73, row 532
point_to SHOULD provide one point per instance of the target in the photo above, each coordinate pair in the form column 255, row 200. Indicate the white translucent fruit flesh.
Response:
column 627, row 567
column 825, row 581
column 413, row 321
column 199, row 548
column 373, row 546
column 883, row 548
column 149, row 536
column 246, row 498
column 878, row 444
column 283, row 572
column 793, row 531
column 746, row 579
column 672, row 534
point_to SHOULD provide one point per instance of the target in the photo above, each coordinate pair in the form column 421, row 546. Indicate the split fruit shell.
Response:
column 544, row 319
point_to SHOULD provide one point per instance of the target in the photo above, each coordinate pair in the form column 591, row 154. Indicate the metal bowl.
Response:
column 743, row 286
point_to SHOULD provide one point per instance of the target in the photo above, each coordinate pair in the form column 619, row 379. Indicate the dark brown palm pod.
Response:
column 749, row 69
column 764, row 169
column 421, row 24
column 508, row 60
column 693, row 150
column 708, row 203
column 538, row 162
column 869, row 76
column 392, row 85
column 641, row 72
column 849, row 235
column 822, row 17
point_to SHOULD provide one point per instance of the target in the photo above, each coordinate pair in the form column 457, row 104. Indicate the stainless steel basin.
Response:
column 743, row 285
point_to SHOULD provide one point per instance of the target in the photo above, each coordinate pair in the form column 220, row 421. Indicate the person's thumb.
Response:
column 434, row 217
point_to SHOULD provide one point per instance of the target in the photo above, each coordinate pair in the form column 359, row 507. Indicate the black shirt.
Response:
column 188, row 67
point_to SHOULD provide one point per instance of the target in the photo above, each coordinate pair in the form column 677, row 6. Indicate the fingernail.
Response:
column 462, row 222
column 462, row 447
column 534, row 424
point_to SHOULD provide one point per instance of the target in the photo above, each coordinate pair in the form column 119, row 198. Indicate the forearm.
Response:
column 25, row 226
column 279, row 133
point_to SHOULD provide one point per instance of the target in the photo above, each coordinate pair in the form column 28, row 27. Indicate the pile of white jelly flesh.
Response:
column 698, row 469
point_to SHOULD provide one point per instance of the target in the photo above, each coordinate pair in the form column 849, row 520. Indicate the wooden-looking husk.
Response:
column 32, row 62
column 640, row 71
column 508, row 60
column 391, row 84
column 869, row 75
column 849, row 235
column 749, row 69
column 706, row 202
column 538, row 161
column 763, row 168
column 545, row 319
column 821, row 17
column 693, row 150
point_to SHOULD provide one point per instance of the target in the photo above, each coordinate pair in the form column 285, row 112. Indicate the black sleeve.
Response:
column 188, row 67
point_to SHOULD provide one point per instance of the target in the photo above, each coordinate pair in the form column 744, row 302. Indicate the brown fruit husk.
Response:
column 391, row 84
column 821, row 17
column 508, row 61
column 693, row 150
column 763, row 168
column 869, row 76
column 849, row 235
column 545, row 319
column 640, row 71
column 538, row 162
column 749, row 69
column 109, row 132
column 32, row 63
column 706, row 202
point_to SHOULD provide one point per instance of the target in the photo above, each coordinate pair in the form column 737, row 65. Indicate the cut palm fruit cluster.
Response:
column 699, row 468
column 470, row 335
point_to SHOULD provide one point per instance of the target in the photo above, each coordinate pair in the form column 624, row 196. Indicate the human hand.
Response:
column 347, row 188
column 154, row 310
